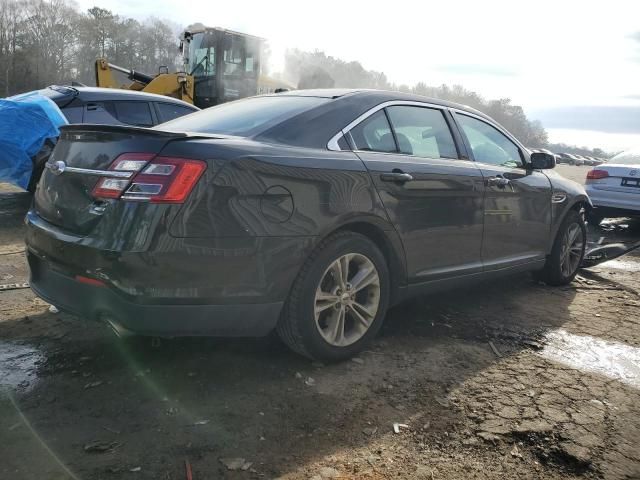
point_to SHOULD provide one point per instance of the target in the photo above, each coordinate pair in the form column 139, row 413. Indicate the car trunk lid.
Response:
column 82, row 158
column 618, row 178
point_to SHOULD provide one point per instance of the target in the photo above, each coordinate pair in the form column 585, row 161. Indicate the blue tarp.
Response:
column 26, row 121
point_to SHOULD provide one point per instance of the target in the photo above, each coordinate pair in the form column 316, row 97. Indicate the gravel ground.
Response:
column 511, row 379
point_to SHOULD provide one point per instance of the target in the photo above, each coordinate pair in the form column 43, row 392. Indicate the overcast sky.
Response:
column 546, row 55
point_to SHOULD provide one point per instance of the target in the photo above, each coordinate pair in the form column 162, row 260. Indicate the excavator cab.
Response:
column 224, row 65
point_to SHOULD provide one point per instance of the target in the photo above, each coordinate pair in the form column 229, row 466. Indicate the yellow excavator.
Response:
column 219, row 65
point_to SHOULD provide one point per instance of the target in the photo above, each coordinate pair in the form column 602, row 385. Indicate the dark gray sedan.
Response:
column 308, row 212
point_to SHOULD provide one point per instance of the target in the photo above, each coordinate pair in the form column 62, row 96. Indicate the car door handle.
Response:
column 498, row 181
column 399, row 177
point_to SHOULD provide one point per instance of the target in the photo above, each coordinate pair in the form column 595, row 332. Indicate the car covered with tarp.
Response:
column 29, row 127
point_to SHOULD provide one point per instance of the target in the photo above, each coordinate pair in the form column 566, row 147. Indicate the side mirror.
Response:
column 542, row 161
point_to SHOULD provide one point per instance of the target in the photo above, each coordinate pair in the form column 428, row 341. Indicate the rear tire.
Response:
column 564, row 261
column 339, row 299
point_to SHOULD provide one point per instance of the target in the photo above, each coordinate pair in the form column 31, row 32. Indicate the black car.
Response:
column 308, row 212
column 108, row 106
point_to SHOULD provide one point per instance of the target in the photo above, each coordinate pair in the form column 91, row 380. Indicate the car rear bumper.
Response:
column 176, row 287
column 601, row 198
column 102, row 303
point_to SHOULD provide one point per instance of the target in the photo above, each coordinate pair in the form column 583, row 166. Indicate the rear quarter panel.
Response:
column 268, row 206
column 281, row 191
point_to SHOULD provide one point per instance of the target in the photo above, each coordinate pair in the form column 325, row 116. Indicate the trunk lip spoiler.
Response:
column 154, row 131
column 90, row 127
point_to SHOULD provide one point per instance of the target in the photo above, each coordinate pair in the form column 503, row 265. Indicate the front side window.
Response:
column 374, row 134
column 422, row 132
column 488, row 144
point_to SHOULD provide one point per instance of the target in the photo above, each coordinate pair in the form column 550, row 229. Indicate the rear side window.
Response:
column 422, row 132
column 374, row 134
column 131, row 113
column 168, row 111
column 244, row 117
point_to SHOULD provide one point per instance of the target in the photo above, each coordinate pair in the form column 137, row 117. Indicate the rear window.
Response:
column 630, row 157
column 244, row 117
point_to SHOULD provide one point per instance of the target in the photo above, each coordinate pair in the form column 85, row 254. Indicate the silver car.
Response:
column 614, row 187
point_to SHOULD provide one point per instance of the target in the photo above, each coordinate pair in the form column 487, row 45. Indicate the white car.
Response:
column 614, row 187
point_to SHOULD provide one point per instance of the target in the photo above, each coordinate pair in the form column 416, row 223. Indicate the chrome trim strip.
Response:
column 99, row 173
column 57, row 169
column 558, row 197
column 333, row 142
column 135, row 197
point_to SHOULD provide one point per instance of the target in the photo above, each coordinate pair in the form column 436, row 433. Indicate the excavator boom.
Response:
column 177, row 85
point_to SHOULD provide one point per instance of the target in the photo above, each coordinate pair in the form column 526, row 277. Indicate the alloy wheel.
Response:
column 347, row 299
column 571, row 252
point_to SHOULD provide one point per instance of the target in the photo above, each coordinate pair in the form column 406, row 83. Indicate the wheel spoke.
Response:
column 573, row 234
column 360, row 312
column 325, row 300
column 338, row 274
column 344, row 267
column 365, row 277
column 336, row 328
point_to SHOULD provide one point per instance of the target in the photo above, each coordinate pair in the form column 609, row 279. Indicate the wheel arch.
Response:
column 384, row 236
column 577, row 203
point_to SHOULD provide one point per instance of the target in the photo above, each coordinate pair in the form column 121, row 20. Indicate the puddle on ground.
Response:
column 18, row 364
column 589, row 354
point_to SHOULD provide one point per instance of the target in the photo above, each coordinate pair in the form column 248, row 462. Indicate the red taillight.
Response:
column 597, row 174
column 162, row 180
column 127, row 162
column 166, row 180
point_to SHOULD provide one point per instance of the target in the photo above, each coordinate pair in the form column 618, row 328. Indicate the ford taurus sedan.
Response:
column 308, row 212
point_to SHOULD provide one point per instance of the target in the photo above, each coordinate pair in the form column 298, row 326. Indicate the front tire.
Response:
column 339, row 300
column 564, row 261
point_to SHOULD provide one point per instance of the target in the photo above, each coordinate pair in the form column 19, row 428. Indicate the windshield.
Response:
column 244, row 117
column 202, row 55
column 630, row 157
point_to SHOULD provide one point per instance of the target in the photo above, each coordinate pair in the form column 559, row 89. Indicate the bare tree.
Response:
column 11, row 16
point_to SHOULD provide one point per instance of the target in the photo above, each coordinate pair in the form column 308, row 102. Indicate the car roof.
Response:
column 381, row 95
column 314, row 128
column 98, row 94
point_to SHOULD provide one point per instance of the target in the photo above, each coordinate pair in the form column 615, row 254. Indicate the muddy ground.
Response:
column 512, row 379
